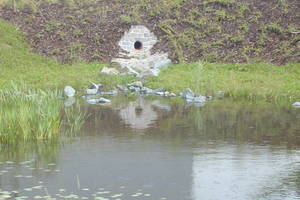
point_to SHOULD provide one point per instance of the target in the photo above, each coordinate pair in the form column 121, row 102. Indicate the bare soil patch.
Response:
column 214, row 30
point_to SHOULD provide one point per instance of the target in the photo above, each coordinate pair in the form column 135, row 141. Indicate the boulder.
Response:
column 69, row 91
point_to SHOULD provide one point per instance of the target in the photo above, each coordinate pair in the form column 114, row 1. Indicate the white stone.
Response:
column 109, row 71
column 296, row 104
column 69, row 91
column 91, row 91
column 104, row 100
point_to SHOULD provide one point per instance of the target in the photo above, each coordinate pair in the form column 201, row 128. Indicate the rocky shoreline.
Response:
column 96, row 95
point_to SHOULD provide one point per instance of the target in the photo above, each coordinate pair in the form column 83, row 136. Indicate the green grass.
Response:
column 29, row 114
column 252, row 81
column 33, row 114
column 18, row 63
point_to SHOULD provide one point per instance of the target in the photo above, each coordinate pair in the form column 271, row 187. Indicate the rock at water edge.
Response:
column 69, row 91
column 296, row 104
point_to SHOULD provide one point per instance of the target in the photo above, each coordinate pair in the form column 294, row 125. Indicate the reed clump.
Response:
column 27, row 114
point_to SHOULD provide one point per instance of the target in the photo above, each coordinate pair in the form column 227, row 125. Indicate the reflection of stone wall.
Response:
column 139, row 61
column 138, row 116
column 141, row 113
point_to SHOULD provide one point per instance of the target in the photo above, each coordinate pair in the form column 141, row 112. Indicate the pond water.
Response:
column 159, row 149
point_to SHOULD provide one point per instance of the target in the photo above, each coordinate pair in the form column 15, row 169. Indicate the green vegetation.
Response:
column 250, row 81
column 19, row 64
column 27, row 114
column 32, row 114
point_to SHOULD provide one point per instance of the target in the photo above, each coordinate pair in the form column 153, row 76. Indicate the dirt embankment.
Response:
column 189, row 30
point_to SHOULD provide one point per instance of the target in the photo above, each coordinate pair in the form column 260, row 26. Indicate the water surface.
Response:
column 160, row 149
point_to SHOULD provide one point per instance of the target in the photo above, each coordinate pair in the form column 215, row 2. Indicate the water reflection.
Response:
column 158, row 149
column 140, row 114
column 245, row 172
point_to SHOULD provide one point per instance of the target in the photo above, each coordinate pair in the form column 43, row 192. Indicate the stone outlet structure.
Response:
column 135, row 55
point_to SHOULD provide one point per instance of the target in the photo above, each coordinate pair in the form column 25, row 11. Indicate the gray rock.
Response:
column 160, row 94
column 136, row 84
column 132, row 88
column 104, row 100
column 95, row 86
column 296, row 104
column 188, row 94
column 137, row 89
column 69, row 91
column 200, row 99
column 91, row 91
column 146, row 90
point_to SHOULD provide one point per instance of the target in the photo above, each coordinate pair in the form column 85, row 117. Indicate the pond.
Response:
column 159, row 149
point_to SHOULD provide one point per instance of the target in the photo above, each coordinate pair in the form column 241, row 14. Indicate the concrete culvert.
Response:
column 135, row 56
column 138, row 45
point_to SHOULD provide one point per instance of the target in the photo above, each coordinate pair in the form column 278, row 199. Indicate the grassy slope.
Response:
column 18, row 63
column 238, row 80
column 227, row 31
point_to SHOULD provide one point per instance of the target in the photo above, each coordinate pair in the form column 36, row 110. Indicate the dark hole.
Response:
column 138, row 111
column 138, row 45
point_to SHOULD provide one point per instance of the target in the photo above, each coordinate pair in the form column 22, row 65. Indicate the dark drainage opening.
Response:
column 138, row 45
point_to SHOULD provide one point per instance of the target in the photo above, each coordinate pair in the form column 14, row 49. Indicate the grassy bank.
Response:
column 252, row 81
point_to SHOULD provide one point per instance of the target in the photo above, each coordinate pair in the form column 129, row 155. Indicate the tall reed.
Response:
column 31, row 114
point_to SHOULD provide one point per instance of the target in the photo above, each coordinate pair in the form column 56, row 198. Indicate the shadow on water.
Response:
column 139, row 148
